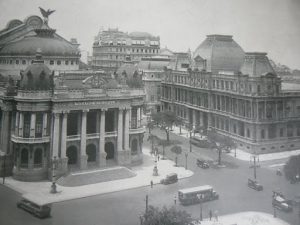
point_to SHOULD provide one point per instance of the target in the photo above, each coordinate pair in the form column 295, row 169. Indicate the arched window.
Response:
column 24, row 158
column 38, row 158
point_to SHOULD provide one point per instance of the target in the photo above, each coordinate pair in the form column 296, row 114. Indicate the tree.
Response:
column 165, row 216
column 165, row 121
column 220, row 143
column 154, row 139
column 176, row 149
column 150, row 126
column 292, row 168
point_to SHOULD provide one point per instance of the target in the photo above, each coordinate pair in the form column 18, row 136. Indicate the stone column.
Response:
column 120, row 131
column 126, row 129
column 102, row 153
column 21, row 124
column 17, row 124
column 83, row 156
column 55, row 135
column 63, row 142
column 138, row 119
column 32, row 125
column 45, row 121
column 5, row 132
column 194, row 119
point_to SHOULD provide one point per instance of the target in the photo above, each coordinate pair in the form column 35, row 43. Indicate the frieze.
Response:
column 84, row 105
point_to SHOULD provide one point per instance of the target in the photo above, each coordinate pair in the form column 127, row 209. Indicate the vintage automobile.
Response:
column 281, row 203
column 41, row 211
column 255, row 185
column 202, row 163
column 170, row 179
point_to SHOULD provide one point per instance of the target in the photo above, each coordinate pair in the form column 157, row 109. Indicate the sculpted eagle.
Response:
column 46, row 13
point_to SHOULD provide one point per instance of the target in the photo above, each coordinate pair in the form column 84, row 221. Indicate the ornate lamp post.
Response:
column 200, row 197
column 53, row 186
column 155, row 170
column 254, row 166
column 186, row 156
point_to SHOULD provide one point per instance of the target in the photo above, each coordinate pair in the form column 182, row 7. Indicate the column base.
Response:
column 102, row 159
column 83, row 162
column 124, row 157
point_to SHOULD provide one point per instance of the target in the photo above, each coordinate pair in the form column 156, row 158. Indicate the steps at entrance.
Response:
column 95, row 176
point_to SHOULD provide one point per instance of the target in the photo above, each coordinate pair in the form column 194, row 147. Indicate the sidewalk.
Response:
column 39, row 192
column 240, row 154
column 245, row 218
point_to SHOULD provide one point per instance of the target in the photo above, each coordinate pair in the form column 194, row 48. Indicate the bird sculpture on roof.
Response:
column 46, row 14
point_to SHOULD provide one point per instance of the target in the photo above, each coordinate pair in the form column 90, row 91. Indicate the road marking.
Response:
column 276, row 165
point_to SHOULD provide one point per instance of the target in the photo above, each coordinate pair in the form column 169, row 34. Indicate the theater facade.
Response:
column 64, row 119
column 236, row 93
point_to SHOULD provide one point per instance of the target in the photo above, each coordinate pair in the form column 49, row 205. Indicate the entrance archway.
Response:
column 134, row 147
column 91, row 153
column 72, row 155
column 110, row 150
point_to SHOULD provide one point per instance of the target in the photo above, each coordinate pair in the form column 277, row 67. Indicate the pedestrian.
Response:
column 158, row 157
column 216, row 215
column 210, row 215
column 151, row 184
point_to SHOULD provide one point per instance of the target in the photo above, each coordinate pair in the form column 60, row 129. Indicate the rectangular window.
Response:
column 51, row 62
column 23, row 62
column 262, row 134
column 281, row 132
column 67, row 62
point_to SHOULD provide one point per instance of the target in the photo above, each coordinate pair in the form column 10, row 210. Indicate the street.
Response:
column 125, row 207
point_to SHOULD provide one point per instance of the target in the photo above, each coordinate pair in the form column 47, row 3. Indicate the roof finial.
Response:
column 46, row 14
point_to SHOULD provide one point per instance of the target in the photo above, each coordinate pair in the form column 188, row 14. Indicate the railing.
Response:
column 73, row 137
column 18, row 139
column 137, row 130
column 111, row 134
column 39, row 165
column 34, row 94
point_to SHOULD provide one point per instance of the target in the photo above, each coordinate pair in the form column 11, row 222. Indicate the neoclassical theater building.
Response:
column 238, row 94
column 77, row 119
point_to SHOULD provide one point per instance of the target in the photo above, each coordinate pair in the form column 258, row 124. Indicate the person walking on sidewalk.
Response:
column 158, row 157
column 151, row 184
column 210, row 215
column 216, row 215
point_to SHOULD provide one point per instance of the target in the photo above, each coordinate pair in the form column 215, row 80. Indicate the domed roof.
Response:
column 44, row 40
column 222, row 54
column 257, row 64
column 37, row 76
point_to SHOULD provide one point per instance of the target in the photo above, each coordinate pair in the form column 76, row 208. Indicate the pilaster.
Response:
column 101, row 152
column 83, row 156
column 56, row 135
column 120, row 129
column 45, row 119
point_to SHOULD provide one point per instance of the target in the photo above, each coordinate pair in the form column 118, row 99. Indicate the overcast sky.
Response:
column 257, row 25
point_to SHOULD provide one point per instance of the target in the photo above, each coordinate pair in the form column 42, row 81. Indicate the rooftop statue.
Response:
column 46, row 14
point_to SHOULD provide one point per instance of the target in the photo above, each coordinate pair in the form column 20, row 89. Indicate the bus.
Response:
column 198, row 194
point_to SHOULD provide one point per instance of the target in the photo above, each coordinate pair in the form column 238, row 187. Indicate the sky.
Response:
column 270, row 26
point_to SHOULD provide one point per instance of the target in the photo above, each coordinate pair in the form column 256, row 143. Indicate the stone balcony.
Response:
column 36, row 140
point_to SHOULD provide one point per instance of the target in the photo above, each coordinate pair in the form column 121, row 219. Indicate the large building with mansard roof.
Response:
column 77, row 119
column 236, row 93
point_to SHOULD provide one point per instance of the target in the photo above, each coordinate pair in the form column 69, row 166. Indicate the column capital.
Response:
column 56, row 115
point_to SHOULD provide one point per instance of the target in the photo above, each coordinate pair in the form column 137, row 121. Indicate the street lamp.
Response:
column 191, row 143
column 175, row 199
column 155, row 170
column 186, row 156
column 200, row 197
column 53, row 186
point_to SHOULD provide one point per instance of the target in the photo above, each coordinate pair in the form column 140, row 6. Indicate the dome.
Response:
column 222, row 54
column 37, row 76
column 257, row 64
column 45, row 40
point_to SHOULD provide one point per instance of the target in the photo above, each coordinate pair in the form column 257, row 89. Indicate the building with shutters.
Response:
column 112, row 47
column 236, row 93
